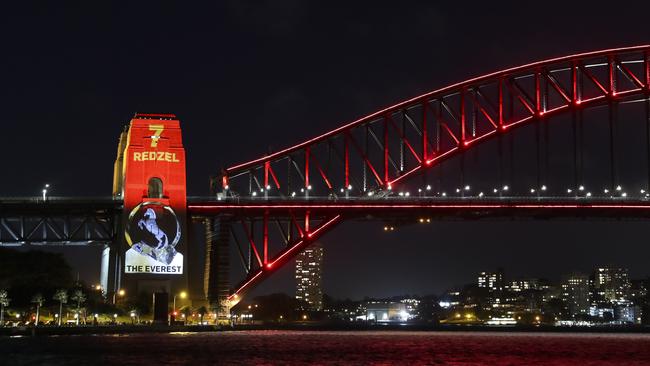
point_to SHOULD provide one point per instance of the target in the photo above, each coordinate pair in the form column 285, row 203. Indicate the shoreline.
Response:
column 144, row 329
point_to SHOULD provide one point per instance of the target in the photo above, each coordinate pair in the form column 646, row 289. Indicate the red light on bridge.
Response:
column 532, row 108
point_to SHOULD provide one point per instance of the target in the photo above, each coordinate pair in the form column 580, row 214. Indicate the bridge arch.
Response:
column 374, row 154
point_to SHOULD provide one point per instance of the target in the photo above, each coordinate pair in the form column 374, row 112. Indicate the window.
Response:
column 155, row 188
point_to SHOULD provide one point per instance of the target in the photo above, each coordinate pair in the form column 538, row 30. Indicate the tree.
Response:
column 4, row 301
column 428, row 309
column 24, row 274
column 134, row 314
column 187, row 311
column 79, row 297
column 555, row 308
column 608, row 316
column 38, row 300
column 202, row 311
column 62, row 297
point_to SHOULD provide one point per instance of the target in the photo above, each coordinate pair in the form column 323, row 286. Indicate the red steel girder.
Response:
column 533, row 99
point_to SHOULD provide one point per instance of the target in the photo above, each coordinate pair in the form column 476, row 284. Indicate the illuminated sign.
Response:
column 155, row 156
column 152, row 232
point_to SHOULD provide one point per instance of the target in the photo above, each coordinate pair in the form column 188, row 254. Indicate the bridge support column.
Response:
column 111, row 264
column 217, row 267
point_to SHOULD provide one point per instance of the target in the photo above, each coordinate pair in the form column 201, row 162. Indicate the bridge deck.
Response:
column 58, row 220
column 440, row 207
column 203, row 206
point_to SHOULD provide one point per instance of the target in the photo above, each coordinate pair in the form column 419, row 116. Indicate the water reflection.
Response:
column 331, row 348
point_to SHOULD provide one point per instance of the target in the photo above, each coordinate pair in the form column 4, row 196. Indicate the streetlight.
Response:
column 120, row 292
column 45, row 191
column 183, row 295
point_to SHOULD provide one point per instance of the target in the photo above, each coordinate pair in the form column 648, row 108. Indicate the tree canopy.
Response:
column 26, row 273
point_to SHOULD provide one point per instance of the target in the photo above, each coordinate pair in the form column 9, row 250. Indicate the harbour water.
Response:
column 266, row 347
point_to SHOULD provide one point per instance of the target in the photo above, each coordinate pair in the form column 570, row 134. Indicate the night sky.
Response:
column 248, row 77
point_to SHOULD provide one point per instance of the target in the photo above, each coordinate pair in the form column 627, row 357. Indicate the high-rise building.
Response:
column 493, row 281
column 612, row 284
column 308, row 277
column 524, row 284
column 575, row 293
column 494, row 284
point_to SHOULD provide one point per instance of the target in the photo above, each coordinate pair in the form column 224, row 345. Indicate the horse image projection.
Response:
column 162, row 252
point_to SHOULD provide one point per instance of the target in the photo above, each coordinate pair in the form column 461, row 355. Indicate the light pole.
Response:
column 121, row 293
column 45, row 191
column 183, row 295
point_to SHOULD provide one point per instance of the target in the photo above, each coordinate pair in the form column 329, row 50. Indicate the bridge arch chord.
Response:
column 370, row 156
column 376, row 152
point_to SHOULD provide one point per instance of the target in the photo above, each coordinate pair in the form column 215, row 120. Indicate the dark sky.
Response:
column 245, row 77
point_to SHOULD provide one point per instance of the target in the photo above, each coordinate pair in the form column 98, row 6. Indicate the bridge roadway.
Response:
column 105, row 208
column 432, row 207
column 96, row 220
column 58, row 220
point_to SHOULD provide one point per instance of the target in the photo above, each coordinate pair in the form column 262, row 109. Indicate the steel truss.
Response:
column 58, row 221
column 371, row 156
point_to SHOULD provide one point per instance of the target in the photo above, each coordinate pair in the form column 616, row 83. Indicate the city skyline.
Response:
column 606, row 296
column 210, row 92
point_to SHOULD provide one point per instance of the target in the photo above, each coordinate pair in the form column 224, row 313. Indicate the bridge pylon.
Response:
column 151, row 253
column 217, row 267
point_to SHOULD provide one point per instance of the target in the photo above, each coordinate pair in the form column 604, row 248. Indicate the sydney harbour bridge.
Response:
column 564, row 138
